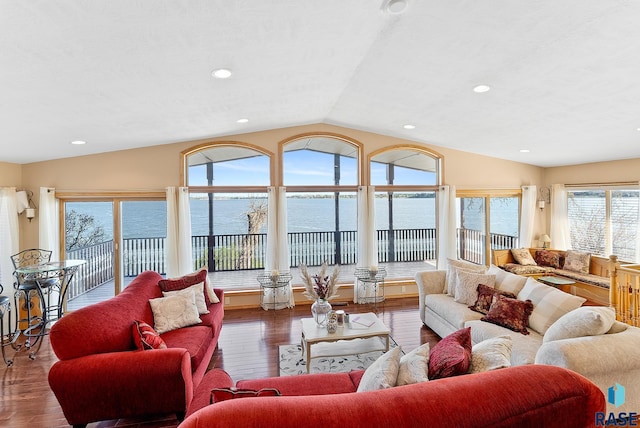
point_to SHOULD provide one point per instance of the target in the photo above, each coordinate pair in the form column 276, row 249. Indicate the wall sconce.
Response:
column 25, row 203
column 544, row 198
column 30, row 213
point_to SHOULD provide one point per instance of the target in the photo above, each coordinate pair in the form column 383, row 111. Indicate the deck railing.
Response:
column 471, row 245
column 247, row 251
column 97, row 270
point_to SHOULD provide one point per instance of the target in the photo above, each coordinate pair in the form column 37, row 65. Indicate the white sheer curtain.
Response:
column 447, row 248
column 49, row 238
column 367, row 249
column 277, row 257
column 527, row 216
column 637, row 255
column 9, row 237
column 178, row 251
column 559, row 231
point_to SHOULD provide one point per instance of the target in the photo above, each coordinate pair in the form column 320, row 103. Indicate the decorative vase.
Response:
column 321, row 310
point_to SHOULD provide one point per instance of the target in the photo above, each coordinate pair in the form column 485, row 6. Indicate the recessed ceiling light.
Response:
column 243, row 120
column 637, row 129
column 221, row 73
column 524, row 150
column 481, row 88
column 78, row 142
column 407, row 126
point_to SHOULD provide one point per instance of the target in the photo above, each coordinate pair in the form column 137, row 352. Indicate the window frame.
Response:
column 607, row 188
column 487, row 194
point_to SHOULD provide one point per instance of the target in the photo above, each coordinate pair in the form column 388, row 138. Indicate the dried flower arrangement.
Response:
column 320, row 286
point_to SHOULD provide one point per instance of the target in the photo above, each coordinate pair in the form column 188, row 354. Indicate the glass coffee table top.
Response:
column 556, row 280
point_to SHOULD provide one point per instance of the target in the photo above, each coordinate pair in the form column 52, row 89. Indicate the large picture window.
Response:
column 405, row 181
column 604, row 221
column 321, row 173
column 228, row 203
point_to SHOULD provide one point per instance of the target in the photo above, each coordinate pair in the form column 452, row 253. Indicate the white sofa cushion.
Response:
column 491, row 354
column 507, row 281
column 198, row 291
column 584, row 321
column 414, row 366
column 466, row 291
column 452, row 268
column 524, row 347
column 174, row 312
column 549, row 304
column 383, row 372
column 455, row 313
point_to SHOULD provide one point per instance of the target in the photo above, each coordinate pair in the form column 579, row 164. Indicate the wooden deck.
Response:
column 246, row 280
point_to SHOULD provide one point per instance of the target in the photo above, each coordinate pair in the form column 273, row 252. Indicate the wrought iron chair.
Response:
column 29, row 298
column 5, row 339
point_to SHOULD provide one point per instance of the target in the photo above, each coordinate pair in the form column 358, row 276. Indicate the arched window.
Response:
column 228, row 200
column 405, row 166
column 320, row 160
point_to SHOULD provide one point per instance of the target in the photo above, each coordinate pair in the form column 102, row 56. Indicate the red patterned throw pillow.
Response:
column 185, row 281
column 145, row 337
column 451, row 356
column 510, row 313
column 222, row 394
column 485, row 298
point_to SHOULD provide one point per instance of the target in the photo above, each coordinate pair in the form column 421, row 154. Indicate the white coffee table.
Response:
column 361, row 326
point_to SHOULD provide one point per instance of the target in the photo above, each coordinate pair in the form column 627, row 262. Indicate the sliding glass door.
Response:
column 486, row 222
column 118, row 238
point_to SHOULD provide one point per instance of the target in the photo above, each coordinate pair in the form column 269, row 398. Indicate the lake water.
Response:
column 147, row 219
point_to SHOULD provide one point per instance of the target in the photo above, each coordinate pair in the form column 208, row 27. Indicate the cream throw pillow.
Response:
column 584, row 321
column 213, row 297
column 452, row 268
column 414, row 367
column 174, row 312
column 577, row 261
column 507, row 281
column 198, row 293
column 549, row 304
column 491, row 354
column 383, row 372
column 466, row 290
column 523, row 257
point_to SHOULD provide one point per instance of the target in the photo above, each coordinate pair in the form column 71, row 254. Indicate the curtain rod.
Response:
column 613, row 183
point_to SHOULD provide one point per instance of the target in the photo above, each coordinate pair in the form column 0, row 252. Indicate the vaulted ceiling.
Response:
column 118, row 74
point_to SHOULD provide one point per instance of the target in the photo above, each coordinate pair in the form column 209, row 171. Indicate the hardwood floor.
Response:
column 248, row 348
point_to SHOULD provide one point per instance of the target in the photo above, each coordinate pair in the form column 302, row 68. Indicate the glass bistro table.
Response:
column 50, row 282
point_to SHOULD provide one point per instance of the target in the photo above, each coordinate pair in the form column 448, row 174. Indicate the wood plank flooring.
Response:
column 248, row 348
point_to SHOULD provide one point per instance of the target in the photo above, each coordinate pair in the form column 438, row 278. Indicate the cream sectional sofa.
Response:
column 561, row 331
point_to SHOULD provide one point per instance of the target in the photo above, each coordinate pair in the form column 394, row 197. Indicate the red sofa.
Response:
column 523, row 396
column 100, row 375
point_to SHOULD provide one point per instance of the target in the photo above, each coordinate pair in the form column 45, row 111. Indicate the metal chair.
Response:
column 5, row 339
column 29, row 299
column 31, row 257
